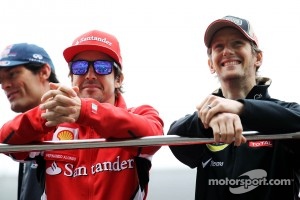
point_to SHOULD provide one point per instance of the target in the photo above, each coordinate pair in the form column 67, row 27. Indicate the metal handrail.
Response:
column 143, row 141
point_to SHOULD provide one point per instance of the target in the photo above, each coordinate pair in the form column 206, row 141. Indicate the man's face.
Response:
column 92, row 85
column 23, row 89
column 232, row 56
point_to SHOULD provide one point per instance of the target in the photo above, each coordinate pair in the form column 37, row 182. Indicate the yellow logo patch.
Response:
column 216, row 147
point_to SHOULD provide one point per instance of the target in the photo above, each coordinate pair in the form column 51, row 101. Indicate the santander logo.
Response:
column 94, row 38
column 265, row 143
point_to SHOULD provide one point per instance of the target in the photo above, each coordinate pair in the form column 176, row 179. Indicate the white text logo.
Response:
column 249, row 181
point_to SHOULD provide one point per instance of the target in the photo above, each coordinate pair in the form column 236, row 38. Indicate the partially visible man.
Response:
column 234, row 168
column 93, row 108
column 25, row 73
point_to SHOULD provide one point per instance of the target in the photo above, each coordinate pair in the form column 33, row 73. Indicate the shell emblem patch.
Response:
column 65, row 135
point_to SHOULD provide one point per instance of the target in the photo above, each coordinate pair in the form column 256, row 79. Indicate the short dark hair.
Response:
column 118, row 73
column 35, row 68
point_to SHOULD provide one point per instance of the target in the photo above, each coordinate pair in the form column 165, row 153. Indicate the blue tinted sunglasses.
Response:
column 101, row 67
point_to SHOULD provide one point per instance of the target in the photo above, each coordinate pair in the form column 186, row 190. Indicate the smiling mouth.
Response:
column 231, row 63
column 11, row 96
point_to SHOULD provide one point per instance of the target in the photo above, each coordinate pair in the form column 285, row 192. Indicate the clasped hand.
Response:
column 222, row 115
column 61, row 104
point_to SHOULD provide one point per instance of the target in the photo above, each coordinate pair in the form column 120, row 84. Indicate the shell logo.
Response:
column 65, row 135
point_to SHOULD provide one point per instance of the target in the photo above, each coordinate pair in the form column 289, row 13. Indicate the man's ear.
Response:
column 259, row 59
column 45, row 72
column 119, row 81
column 211, row 66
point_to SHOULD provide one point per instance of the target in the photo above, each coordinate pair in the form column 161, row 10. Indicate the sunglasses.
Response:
column 101, row 67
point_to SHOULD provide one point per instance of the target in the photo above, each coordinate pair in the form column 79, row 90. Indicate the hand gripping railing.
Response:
column 143, row 141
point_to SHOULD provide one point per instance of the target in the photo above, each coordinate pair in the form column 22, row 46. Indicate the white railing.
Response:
column 143, row 141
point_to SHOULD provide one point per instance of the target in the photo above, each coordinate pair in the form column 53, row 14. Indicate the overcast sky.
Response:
column 164, row 57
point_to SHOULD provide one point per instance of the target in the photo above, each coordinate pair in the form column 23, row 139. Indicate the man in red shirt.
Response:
column 93, row 108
